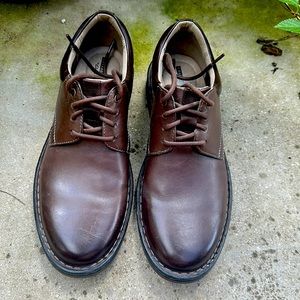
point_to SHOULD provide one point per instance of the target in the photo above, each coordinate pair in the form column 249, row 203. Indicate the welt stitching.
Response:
column 68, row 142
column 71, row 141
column 213, row 256
column 48, row 246
column 160, row 152
column 61, row 143
column 220, row 137
column 220, row 142
column 54, row 132
column 115, row 147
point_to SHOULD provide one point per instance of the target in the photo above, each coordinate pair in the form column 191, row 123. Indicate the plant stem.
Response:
column 287, row 37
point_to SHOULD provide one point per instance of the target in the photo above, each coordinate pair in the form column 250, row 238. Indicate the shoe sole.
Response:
column 67, row 269
column 169, row 274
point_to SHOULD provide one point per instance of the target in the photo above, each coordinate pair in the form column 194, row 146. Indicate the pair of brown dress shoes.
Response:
column 83, row 189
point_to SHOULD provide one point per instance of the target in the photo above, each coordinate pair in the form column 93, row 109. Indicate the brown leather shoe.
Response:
column 184, row 188
column 83, row 181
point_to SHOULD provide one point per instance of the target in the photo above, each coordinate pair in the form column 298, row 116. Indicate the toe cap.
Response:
column 184, row 248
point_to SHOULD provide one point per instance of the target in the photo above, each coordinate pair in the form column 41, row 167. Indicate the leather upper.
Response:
column 83, row 199
column 83, row 184
column 184, row 207
column 184, row 190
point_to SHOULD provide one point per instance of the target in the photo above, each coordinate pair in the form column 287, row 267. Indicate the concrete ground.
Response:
column 261, row 114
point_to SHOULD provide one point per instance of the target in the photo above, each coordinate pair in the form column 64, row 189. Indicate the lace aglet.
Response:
column 69, row 38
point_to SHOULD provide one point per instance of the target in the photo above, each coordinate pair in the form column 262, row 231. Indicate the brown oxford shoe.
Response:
column 83, row 182
column 184, row 189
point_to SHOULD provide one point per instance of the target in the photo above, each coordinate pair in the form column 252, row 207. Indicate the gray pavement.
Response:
column 260, row 112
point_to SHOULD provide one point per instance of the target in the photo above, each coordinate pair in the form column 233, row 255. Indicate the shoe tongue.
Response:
column 96, row 87
column 91, row 88
column 183, row 95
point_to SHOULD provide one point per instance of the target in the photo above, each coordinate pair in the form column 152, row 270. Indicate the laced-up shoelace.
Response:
column 185, row 138
column 89, row 131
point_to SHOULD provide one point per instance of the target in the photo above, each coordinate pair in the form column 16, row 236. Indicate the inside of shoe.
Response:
column 103, row 45
column 189, row 53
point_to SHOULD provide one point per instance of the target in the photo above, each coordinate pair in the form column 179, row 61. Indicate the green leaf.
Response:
column 290, row 2
column 291, row 25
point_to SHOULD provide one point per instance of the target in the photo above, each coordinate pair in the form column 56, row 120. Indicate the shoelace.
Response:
column 89, row 131
column 185, row 138
column 78, row 106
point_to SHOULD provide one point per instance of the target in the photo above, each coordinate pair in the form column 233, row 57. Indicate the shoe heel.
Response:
column 149, row 90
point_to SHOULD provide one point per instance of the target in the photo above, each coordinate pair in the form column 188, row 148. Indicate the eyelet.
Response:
column 72, row 92
column 204, row 110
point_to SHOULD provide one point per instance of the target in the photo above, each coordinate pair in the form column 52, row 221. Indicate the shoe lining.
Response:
column 186, row 44
column 95, row 56
column 185, row 65
column 94, row 41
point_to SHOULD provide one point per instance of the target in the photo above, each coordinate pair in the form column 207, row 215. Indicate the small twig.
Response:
column 19, row 200
column 286, row 6
column 287, row 37
column 291, row 11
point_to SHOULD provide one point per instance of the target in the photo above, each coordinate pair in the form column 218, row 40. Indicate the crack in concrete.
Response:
column 16, row 198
